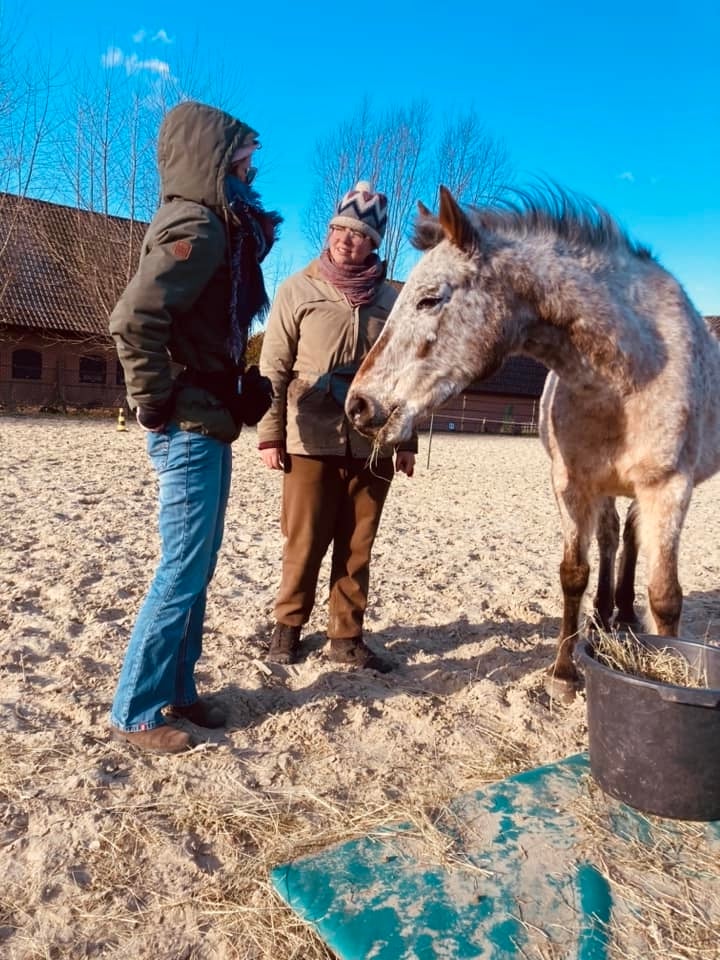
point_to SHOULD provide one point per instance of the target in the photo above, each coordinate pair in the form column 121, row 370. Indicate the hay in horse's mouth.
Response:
column 389, row 433
column 375, row 427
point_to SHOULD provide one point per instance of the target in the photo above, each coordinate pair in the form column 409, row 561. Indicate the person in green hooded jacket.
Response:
column 181, row 329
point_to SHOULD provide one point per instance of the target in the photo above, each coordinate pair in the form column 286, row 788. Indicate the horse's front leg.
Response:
column 578, row 516
column 608, row 537
column 662, row 510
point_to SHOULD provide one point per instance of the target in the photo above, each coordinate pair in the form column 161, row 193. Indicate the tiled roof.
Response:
column 519, row 376
column 62, row 269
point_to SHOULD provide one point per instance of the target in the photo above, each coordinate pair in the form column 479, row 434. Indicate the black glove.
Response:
column 155, row 419
column 256, row 396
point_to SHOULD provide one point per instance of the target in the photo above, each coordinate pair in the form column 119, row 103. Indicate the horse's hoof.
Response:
column 561, row 690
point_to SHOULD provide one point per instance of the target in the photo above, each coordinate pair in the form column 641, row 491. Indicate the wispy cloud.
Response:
column 627, row 175
column 114, row 57
column 133, row 64
column 160, row 36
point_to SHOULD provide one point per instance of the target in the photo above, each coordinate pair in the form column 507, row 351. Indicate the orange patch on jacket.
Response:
column 182, row 249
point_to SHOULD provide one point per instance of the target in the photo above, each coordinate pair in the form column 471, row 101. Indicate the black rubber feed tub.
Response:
column 653, row 745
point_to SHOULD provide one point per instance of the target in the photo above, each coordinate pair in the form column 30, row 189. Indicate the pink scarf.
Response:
column 359, row 283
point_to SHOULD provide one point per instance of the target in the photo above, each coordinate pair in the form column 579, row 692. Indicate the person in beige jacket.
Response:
column 323, row 322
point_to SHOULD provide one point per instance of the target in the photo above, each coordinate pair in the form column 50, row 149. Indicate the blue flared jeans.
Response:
column 194, row 483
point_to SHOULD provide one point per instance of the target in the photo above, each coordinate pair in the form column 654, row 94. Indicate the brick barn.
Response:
column 61, row 272
column 507, row 402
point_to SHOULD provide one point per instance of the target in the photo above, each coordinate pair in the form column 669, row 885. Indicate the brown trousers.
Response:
column 338, row 500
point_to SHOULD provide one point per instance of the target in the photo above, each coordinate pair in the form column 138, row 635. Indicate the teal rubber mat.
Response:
column 514, row 880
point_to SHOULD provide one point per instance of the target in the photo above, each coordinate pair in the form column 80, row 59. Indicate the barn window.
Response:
column 92, row 369
column 26, row 365
column 119, row 374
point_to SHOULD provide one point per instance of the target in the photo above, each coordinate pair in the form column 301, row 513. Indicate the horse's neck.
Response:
column 572, row 324
column 552, row 346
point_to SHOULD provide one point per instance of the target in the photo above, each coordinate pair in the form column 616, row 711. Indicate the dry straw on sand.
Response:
column 665, row 894
column 106, row 853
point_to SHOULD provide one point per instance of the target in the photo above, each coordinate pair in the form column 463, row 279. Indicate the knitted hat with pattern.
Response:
column 362, row 209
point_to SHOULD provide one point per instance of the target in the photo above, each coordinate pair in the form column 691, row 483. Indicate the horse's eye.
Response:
column 427, row 303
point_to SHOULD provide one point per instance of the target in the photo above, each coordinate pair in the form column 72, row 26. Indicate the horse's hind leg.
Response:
column 608, row 537
column 625, row 589
column 662, row 511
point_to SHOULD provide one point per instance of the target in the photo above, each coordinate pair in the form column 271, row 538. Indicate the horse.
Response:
column 630, row 406
column 620, row 593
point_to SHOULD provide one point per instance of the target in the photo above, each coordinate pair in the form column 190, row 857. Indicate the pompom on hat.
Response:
column 362, row 209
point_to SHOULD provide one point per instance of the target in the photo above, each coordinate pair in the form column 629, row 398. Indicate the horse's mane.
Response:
column 714, row 324
column 538, row 212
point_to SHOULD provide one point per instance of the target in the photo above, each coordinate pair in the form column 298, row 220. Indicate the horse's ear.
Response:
column 428, row 232
column 454, row 221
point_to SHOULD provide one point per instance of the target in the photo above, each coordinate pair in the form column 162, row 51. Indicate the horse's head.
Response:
column 444, row 329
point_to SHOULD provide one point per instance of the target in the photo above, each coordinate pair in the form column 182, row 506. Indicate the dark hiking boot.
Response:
column 284, row 644
column 158, row 740
column 201, row 713
column 354, row 651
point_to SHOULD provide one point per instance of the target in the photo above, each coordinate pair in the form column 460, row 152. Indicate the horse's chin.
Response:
column 397, row 428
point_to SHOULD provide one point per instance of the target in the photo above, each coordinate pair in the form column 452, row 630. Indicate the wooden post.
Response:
column 432, row 420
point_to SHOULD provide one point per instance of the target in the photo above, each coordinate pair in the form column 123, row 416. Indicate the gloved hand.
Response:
column 256, row 396
column 154, row 419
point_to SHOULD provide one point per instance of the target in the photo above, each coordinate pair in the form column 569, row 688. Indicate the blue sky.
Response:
column 620, row 101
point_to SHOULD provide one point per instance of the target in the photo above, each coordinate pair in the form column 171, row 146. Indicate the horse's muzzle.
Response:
column 365, row 414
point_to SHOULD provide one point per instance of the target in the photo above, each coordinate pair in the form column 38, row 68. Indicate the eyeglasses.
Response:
column 356, row 235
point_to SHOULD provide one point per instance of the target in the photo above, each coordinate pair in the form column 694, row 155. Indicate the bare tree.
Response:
column 276, row 268
column 107, row 148
column 403, row 155
column 338, row 162
column 108, row 167
column 387, row 150
column 470, row 162
column 25, row 97
column 27, row 87
column 113, row 112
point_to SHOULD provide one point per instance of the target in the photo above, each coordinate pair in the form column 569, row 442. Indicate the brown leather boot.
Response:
column 284, row 644
column 201, row 713
column 162, row 739
column 354, row 651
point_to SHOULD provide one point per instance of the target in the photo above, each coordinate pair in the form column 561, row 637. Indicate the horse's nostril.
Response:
column 359, row 410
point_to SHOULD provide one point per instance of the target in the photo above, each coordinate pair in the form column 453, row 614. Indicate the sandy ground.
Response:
column 108, row 853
